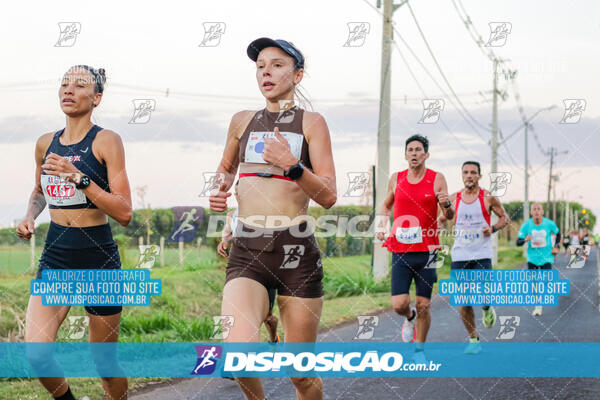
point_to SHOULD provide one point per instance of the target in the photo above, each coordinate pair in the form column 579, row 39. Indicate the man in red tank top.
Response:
column 415, row 194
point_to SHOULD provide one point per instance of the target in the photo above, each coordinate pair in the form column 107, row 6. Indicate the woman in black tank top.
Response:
column 300, row 154
column 80, row 173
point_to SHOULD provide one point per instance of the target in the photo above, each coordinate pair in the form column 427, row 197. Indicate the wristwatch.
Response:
column 84, row 181
column 295, row 171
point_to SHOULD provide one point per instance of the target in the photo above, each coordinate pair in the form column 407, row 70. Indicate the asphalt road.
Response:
column 575, row 319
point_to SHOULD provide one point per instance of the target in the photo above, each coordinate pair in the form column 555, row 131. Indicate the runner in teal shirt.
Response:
column 538, row 232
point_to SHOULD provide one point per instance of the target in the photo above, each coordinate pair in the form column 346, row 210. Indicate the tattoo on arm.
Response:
column 37, row 203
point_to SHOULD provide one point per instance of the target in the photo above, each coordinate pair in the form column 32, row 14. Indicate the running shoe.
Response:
column 409, row 328
column 418, row 357
column 474, row 346
column 537, row 311
column 276, row 339
column 489, row 317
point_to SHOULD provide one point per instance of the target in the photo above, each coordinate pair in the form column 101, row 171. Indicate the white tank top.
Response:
column 471, row 218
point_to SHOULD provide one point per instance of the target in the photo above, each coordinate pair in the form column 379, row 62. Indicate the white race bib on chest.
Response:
column 256, row 145
column 61, row 192
column 410, row 235
column 469, row 236
column 538, row 238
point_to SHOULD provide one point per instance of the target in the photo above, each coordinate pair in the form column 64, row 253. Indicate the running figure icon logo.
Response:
column 77, row 326
column 499, row 183
column 142, row 110
column 148, row 254
column 222, row 324
column 286, row 112
column 291, row 259
column 508, row 326
column 432, row 108
column 357, row 33
column 68, row 34
column 186, row 223
column 573, row 110
column 366, row 326
column 207, row 359
column 212, row 183
column 358, row 182
column 212, row 34
column 499, row 32
column 577, row 257
column 436, row 255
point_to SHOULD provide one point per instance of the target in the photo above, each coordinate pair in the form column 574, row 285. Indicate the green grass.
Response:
column 191, row 296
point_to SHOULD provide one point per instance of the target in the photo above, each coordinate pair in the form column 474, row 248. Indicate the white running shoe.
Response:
column 537, row 311
column 85, row 398
column 409, row 328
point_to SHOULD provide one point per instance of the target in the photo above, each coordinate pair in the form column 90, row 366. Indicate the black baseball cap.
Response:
column 259, row 44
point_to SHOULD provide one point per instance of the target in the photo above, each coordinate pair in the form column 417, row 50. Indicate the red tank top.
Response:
column 415, row 215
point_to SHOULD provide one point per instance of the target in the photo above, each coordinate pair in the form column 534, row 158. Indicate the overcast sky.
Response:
column 147, row 47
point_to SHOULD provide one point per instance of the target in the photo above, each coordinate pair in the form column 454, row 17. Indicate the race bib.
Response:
column 538, row 238
column 61, row 192
column 256, row 145
column 409, row 235
column 469, row 236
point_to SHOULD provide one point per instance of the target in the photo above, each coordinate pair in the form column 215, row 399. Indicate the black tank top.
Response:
column 63, row 194
column 585, row 240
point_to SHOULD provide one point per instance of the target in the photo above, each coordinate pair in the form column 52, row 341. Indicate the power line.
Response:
column 437, row 64
column 435, row 81
column 468, row 23
column 466, row 19
column 410, row 71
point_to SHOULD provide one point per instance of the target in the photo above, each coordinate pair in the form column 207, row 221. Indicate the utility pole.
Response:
column 494, row 145
column 526, row 202
column 552, row 152
column 380, row 255
column 555, row 179
column 567, row 214
column 526, row 124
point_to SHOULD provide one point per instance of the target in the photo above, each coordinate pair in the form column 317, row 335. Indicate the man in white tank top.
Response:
column 472, row 247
